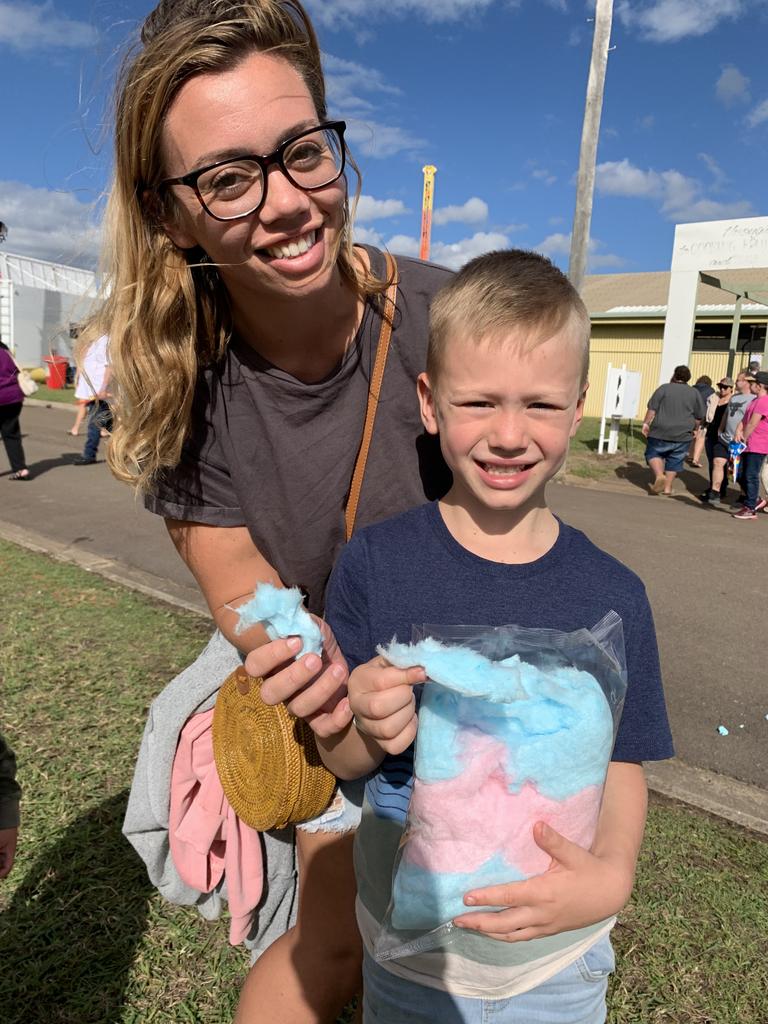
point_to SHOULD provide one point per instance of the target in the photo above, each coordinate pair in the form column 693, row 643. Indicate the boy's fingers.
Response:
column 387, row 677
column 504, row 924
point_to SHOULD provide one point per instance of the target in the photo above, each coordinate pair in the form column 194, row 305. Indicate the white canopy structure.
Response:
column 700, row 251
column 39, row 301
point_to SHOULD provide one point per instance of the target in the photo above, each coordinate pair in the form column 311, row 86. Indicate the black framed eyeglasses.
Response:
column 237, row 187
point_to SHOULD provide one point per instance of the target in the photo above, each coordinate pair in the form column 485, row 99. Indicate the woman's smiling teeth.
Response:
column 296, row 247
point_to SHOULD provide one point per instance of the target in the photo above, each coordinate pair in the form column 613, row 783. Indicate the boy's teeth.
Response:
column 501, row 470
column 295, row 248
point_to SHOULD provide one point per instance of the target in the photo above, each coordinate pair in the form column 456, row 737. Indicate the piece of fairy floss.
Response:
column 500, row 746
column 281, row 612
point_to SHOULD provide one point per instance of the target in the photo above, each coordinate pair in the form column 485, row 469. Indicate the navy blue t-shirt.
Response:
column 409, row 570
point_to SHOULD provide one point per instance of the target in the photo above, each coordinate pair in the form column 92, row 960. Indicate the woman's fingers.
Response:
column 268, row 658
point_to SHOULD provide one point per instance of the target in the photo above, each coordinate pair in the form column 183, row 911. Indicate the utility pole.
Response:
column 590, row 132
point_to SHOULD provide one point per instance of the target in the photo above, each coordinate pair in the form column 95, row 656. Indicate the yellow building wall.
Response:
column 638, row 347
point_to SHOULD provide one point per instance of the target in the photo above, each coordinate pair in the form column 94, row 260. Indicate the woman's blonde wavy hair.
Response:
column 166, row 310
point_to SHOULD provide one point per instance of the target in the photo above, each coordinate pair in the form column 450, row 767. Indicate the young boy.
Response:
column 504, row 389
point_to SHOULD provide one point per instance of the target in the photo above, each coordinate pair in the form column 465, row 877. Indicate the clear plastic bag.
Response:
column 516, row 726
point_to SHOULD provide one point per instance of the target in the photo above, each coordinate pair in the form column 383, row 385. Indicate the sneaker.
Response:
column 705, row 497
column 717, row 500
column 761, row 505
column 745, row 513
column 82, row 460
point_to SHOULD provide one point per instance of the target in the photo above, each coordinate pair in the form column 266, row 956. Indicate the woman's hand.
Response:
column 312, row 688
column 384, row 703
column 578, row 888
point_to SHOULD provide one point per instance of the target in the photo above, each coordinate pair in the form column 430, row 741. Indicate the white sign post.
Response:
column 621, row 401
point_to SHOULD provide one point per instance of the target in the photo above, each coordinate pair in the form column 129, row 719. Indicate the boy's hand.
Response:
column 7, row 849
column 312, row 688
column 383, row 703
column 578, row 888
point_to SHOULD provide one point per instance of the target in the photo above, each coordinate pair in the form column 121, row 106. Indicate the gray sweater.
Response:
column 10, row 791
column 146, row 819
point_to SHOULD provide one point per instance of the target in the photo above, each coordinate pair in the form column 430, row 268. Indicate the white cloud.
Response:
column 680, row 197
column 33, row 27
column 335, row 13
column 542, row 174
column 758, row 114
column 474, row 211
column 49, row 225
column 732, row 86
column 345, row 80
column 381, row 140
column 369, row 208
column 368, row 236
column 719, row 177
column 451, row 254
column 646, row 123
column 559, row 244
column 667, row 21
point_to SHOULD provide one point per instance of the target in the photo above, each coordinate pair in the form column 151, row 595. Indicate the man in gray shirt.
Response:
column 674, row 411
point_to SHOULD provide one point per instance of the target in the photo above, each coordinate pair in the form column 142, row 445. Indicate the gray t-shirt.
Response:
column 272, row 453
column 733, row 416
column 676, row 405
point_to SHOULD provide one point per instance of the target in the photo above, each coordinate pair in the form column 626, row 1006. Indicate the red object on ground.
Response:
column 56, row 371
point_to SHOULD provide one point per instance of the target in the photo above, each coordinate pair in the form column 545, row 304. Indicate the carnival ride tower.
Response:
column 426, row 210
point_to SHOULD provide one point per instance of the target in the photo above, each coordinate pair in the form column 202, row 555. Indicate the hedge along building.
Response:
column 40, row 305
column 709, row 311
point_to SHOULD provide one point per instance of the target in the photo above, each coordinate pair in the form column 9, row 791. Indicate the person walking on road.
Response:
column 720, row 433
column 11, row 402
column 753, row 431
column 95, row 373
column 674, row 412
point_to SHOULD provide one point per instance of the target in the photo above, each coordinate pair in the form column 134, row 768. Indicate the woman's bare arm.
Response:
column 227, row 566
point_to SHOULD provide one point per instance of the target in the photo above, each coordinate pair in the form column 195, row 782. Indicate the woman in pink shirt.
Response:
column 754, row 433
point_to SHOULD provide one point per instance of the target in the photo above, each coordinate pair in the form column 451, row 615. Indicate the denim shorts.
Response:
column 672, row 452
column 575, row 995
column 343, row 813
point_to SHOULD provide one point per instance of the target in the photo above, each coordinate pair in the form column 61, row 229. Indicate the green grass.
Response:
column 63, row 395
column 631, row 442
column 584, row 463
column 85, row 940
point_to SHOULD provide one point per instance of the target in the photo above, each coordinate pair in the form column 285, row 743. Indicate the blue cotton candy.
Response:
column 556, row 724
column 421, row 898
column 282, row 614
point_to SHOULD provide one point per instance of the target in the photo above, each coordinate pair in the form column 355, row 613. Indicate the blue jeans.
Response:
column 576, row 995
column 100, row 418
column 751, row 464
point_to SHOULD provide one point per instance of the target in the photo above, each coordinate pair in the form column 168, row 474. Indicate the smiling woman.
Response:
column 250, row 343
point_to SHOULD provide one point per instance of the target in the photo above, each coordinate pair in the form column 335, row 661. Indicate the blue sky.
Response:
column 490, row 91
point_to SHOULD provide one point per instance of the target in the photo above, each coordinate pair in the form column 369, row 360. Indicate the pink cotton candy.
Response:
column 206, row 837
column 459, row 824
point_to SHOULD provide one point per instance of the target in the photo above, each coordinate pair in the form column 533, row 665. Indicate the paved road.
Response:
column 705, row 574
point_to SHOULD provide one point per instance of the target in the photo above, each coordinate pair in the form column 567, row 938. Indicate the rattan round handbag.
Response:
column 266, row 758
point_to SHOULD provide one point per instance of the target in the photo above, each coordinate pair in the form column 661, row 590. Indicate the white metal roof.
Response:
column 52, row 277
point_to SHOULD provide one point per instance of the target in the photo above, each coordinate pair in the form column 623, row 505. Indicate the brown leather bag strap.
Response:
column 374, row 390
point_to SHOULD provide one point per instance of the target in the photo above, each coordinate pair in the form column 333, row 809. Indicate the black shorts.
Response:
column 719, row 450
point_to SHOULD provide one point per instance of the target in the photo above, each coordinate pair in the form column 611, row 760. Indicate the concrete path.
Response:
column 704, row 572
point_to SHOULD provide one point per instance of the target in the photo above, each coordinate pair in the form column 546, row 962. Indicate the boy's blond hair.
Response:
column 498, row 291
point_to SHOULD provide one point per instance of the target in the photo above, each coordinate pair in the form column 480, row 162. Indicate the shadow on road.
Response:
column 69, row 936
column 39, row 468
